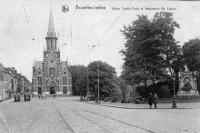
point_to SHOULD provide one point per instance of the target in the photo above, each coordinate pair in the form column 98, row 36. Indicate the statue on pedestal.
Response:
column 188, row 84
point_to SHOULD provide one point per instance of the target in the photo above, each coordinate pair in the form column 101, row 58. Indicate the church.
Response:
column 51, row 76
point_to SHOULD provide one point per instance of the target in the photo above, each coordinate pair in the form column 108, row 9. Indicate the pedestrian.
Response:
column 155, row 100
column 150, row 99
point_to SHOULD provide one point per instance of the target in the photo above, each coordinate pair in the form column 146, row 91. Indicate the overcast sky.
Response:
column 24, row 25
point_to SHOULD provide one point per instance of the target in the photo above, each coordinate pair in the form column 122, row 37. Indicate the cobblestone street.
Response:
column 61, row 115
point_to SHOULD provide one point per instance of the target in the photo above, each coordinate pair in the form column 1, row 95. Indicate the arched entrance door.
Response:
column 39, row 90
column 64, row 90
column 52, row 88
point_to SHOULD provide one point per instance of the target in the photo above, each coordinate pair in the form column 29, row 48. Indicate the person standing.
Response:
column 155, row 100
column 150, row 99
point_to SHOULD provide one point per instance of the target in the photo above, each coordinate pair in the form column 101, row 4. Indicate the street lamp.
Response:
column 174, row 106
column 98, row 101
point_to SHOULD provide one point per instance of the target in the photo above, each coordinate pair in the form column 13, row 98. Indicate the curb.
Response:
column 114, row 106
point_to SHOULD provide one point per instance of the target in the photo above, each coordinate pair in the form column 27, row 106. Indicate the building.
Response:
column 51, row 76
column 10, row 76
column 11, row 82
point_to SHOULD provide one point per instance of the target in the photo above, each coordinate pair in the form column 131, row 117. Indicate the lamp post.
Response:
column 81, row 90
column 98, row 101
column 87, row 85
column 174, row 106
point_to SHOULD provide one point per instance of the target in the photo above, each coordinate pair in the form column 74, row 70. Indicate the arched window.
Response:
column 39, row 80
column 65, row 80
column 52, row 71
column 64, row 90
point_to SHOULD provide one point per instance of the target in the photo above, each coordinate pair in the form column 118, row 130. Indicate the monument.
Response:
column 188, row 84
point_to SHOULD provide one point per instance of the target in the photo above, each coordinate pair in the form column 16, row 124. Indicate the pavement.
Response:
column 68, row 114
column 190, row 105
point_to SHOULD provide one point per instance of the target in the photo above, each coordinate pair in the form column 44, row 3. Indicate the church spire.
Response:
column 51, row 31
column 51, row 38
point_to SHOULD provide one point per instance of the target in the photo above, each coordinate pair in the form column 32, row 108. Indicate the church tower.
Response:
column 51, row 38
column 51, row 76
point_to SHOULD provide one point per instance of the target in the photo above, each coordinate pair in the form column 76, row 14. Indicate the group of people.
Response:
column 153, row 99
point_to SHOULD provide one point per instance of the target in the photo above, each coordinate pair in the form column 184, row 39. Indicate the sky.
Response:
column 24, row 24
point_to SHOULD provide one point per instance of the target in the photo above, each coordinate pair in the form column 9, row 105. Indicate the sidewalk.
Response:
column 7, row 101
column 146, row 106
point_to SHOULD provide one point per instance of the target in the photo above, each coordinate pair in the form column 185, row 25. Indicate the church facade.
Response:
column 51, row 76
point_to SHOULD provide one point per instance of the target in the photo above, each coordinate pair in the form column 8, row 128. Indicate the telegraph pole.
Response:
column 98, row 101
column 174, row 106
column 81, row 98
column 87, row 93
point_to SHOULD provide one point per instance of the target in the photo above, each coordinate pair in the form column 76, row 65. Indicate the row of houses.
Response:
column 12, row 82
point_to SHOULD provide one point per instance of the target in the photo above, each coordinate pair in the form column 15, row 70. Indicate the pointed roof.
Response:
column 51, row 31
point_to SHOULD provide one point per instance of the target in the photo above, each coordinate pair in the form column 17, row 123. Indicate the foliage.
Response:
column 123, row 88
column 170, row 52
column 162, row 89
column 79, row 79
column 151, row 52
column 191, row 54
column 116, row 94
column 139, row 51
column 107, row 79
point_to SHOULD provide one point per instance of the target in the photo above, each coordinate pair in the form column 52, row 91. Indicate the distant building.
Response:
column 12, row 82
column 51, row 76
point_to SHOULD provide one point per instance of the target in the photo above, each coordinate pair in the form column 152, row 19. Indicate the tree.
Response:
column 79, row 79
column 164, row 27
column 151, row 51
column 138, row 52
column 107, row 75
column 170, row 52
column 191, row 54
column 123, row 88
column 116, row 94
